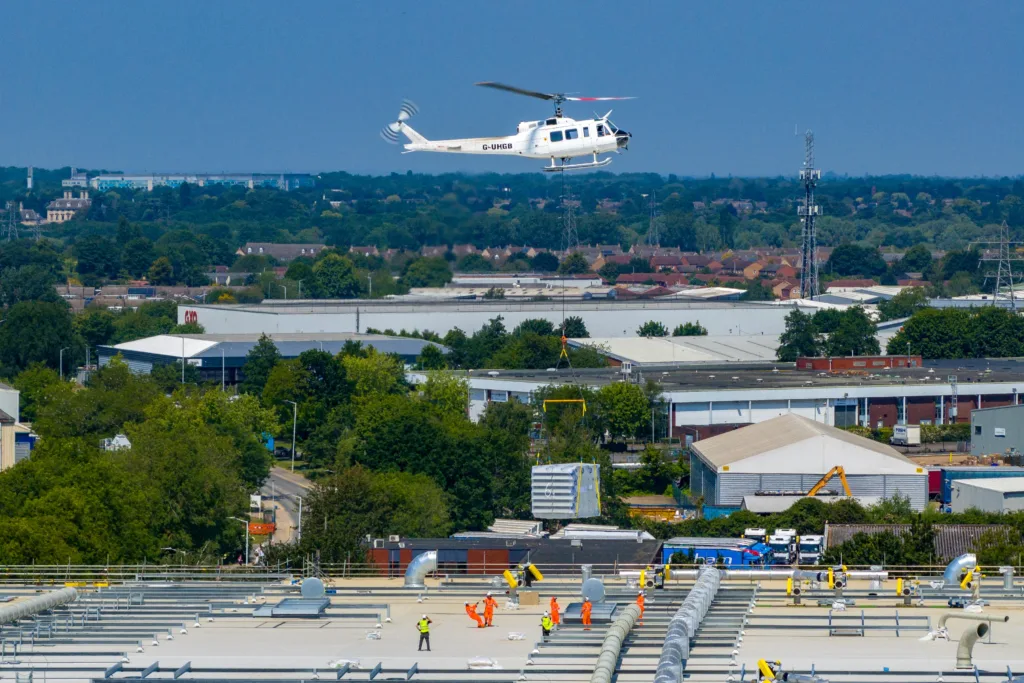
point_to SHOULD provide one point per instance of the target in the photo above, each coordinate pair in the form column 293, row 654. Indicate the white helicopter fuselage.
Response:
column 558, row 137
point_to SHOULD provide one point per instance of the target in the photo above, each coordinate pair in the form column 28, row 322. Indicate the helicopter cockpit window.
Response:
column 556, row 136
column 601, row 132
column 572, row 134
column 586, row 131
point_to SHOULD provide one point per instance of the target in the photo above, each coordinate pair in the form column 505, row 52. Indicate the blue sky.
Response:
column 925, row 87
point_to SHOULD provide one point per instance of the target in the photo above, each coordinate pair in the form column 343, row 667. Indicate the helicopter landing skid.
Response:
column 596, row 163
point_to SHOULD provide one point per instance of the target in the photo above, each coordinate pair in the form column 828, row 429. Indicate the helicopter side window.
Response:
column 586, row 131
column 556, row 136
column 552, row 122
column 572, row 134
column 601, row 132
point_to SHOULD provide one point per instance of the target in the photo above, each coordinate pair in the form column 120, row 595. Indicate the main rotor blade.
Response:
column 597, row 99
column 518, row 91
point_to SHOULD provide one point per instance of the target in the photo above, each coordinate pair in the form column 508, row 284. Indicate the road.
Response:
column 283, row 490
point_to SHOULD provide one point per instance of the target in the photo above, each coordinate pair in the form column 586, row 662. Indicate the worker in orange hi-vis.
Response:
column 585, row 613
column 640, row 603
column 489, row 604
column 555, row 618
column 471, row 611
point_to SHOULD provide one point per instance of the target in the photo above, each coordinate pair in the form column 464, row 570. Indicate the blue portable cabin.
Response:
column 733, row 552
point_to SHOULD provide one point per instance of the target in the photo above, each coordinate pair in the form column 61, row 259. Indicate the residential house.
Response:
column 618, row 259
column 434, row 251
column 786, row 290
column 64, row 209
column 659, row 262
column 753, row 270
column 364, row 251
column 778, row 271
column 281, row 252
column 841, row 285
column 28, row 217
column 461, row 250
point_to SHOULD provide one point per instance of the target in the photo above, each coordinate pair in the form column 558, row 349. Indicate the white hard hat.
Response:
column 488, row 594
column 546, row 613
column 424, row 616
column 467, row 603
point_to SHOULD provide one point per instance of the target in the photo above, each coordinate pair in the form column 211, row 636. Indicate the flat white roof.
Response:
column 702, row 349
column 1001, row 484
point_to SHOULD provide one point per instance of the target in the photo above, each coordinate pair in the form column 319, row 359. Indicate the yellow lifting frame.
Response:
column 544, row 405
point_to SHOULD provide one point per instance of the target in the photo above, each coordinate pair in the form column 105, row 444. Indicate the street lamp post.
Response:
column 285, row 288
column 246, row 538
column 62, row 362
column 300, row 520
column 295, row 421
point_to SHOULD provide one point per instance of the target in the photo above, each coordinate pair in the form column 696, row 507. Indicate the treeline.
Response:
column 828, row 332
column 129, row 233
column 534, row 344
column 193, row 460
column 984, row 332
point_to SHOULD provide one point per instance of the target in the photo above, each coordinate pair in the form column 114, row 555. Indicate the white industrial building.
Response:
column 1002, row 494
column 603, row 318
column 791, row 454
column 668, row 351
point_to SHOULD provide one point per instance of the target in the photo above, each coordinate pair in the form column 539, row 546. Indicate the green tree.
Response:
column 334, row 277
column 904, row 304
column 575, row 328
column 544, row 262
column 625, row 409
column 431, row 358
column 917, row 259
column 573, row 264
column 652, row 328
column 851, row 259
column 26, row 283
column 168, row 376
column 854, row 335
column 161, row 272
column 35, row 383
column 342, row 510
column 690, row 330
column 95, row 326
column 137, row 256
column 427, row 272
column 609, row 272
column 801, row 338
column 35, row 332
column 757, row 291
column 259, row 362
column 375, row 373
column 448, row 392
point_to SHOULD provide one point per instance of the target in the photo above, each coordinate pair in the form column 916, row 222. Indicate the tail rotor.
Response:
column 406, row 111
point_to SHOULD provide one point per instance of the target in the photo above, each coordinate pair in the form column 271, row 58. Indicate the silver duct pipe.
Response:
column 1007, row 573
column 40, row 603
column 416, row 572
column 608, row 658
column 970, row 617
column 683, row 627
column 966, row 562
column 966, row 646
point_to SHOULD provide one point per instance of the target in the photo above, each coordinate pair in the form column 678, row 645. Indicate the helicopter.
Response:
column 557, row 138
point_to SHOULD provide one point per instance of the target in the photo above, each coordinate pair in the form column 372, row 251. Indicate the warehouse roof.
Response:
column 1000, row 484
column 289, row 345
column 951, row 540
column 672, row 350
column 768, row 447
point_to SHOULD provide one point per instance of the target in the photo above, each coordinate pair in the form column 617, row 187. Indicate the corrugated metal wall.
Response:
column 733, row 486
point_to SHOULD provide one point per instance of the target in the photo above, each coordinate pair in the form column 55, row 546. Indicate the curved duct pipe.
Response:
column 969, row 617
column 966, row 646
column 612, row 645
column 965, row 562
column 34, row 605
column 867, row 575
column 417, row 571
column 683, row 626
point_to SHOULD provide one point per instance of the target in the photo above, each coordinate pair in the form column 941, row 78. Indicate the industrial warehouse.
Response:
column 606, row 318
column 220, row 357
column 789, row 455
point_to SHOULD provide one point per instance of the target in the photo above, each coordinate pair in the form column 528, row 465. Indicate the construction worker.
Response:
column 546, row 625
column 640, row 603
column 471, row 611
column 423, row 626
column 585, row 613
column 489, row 604
column 555, row 609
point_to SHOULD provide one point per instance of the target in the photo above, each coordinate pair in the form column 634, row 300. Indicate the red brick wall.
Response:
column 920, row 408
column 882, row 409
column 489, row 562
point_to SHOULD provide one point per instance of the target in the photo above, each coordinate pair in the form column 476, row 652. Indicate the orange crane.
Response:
column 838, row 469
